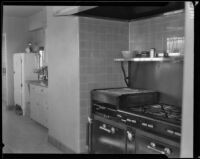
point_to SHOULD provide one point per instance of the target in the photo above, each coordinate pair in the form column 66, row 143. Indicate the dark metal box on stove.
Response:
column 118, row 97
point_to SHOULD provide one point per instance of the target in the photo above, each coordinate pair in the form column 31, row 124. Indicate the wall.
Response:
column 16, row 30
column 100, row 42
column 187, row 142
column 37, row 37
column 37, row 27
column 38, row 20
column 62, row 46
column 165, row 77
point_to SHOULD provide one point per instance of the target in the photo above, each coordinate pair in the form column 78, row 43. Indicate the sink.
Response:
column 43, row 83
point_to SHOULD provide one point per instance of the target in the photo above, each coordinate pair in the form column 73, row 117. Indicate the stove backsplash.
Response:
column 165, row 77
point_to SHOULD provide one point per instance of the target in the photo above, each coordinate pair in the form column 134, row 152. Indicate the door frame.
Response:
column 4, row 42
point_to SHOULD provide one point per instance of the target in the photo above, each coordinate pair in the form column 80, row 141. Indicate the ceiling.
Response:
column 136, row 10
column 21, row 11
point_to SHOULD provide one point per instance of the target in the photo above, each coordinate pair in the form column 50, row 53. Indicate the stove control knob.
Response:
column 153, row 144
column 113, row 130
column 129, row 135
column 177, row 133
column 150, row 125
column 89, row 120
column 167, row 151
column 133, row 121
column 170, row 131
column 144, row 124
column 123, row 120
column 129, row 120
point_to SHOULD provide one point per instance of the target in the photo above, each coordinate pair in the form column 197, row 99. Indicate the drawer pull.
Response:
column 102, row 128
column 107, row 130
column 177, row 133
column 100, row 107
column 166, row 150
column 153, row 148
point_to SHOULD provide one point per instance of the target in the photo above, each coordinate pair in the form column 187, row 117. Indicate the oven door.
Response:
column 107, row 139
column 152, row 144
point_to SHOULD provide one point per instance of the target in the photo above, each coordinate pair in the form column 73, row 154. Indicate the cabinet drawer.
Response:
column 146, row 145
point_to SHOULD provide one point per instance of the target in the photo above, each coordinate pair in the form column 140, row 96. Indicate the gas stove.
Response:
column 138, row 108
column 164, row 112
column 161, row 119
column 150, row 126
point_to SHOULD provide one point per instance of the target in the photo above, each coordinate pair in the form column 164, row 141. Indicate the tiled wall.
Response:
column 153, row 32
column 100, row 42
column 165, row 77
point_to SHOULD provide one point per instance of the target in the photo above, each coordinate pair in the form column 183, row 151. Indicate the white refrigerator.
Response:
column 24, row 65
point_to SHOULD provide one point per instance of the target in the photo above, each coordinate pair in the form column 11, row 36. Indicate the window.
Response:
column 175, row 44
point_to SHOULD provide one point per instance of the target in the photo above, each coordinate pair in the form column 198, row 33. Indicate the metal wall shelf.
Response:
column 148, row 59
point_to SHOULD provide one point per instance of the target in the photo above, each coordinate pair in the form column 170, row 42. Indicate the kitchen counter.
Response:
column 38, row 83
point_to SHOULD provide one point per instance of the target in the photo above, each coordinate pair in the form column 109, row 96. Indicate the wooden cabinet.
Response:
column 39, row 104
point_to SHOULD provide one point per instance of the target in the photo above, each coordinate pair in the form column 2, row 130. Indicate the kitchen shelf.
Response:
column 148, row 59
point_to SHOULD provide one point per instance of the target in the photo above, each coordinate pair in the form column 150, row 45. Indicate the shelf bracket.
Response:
column 126, row 78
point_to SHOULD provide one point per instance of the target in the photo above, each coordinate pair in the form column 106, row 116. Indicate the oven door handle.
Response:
column 112, row 131
column 153, row 148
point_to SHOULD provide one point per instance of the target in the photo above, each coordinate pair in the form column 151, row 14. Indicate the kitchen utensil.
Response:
column 127, row 54
column 145, row 53
column 152, row 52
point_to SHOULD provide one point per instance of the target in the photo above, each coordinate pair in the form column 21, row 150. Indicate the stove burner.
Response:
column 160, row 110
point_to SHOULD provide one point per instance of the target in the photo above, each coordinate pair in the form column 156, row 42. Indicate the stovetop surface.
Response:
column 122, row 91
column 163, row 112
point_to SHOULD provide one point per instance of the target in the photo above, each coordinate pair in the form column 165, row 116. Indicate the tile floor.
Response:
column 23, row 135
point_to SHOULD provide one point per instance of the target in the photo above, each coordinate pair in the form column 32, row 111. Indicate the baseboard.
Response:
column 59, row 145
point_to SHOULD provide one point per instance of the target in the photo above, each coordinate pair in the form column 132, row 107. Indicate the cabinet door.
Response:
column 40, row 109
column 33, row 102
column 39, row 105
column 107, row 139
column 43, row 106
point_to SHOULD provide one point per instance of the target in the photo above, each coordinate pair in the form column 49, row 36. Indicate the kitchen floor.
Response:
column 23, row 135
